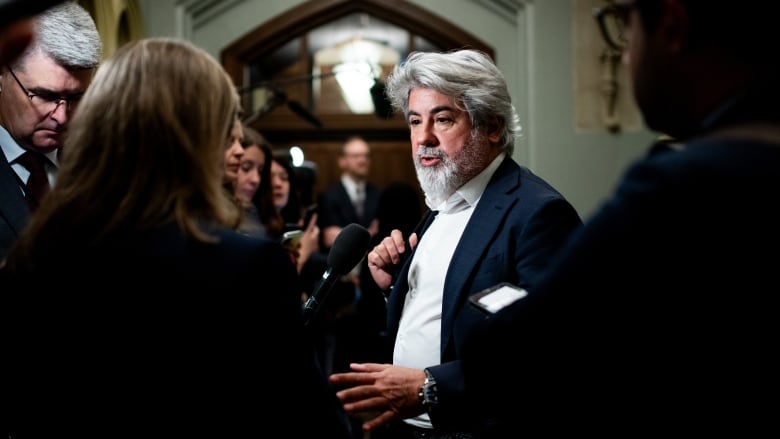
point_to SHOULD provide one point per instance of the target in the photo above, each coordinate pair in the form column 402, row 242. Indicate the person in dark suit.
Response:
column 497, row 222
column 659, row 315
column 38, row 92
column 354, row 198
column 132, row 306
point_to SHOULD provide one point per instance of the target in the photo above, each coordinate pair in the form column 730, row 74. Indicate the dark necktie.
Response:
column 38, row 183
column 360, row 199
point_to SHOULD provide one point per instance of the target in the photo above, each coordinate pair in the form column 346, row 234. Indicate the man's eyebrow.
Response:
column 440, row 108
column 434, row 110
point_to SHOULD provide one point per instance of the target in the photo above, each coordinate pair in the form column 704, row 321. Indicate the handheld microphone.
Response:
column 348, row 249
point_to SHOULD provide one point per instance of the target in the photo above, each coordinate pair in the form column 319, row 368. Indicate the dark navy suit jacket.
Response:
column 513, row 234
column 336, row 208
column 661, row 313
column 14, row 212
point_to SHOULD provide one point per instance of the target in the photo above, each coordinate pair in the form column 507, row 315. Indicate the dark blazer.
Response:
column 14, row 212
column 660, row 316
column 336, row 208
column 513, row 234
column 161, row 336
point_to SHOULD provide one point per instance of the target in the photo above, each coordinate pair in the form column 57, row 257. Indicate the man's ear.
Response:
column 494, row 129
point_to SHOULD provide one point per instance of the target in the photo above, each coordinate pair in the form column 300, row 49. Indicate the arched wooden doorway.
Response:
column 281, row 52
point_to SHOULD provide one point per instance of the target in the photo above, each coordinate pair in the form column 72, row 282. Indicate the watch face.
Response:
column 430, row 391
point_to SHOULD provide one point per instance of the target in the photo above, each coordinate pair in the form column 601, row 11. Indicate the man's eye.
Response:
column 48, row 97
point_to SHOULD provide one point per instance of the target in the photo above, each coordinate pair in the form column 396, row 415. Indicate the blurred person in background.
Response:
column 310, row 262
column 353, row 199
column 233, row 154
column 286, row 197
column 253, row 187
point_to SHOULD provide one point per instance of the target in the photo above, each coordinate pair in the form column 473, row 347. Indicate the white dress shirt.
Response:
column 418, row 343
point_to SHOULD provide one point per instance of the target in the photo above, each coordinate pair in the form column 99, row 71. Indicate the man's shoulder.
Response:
column 521, row 181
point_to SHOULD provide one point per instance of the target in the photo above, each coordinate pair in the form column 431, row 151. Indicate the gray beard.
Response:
column 440, row 181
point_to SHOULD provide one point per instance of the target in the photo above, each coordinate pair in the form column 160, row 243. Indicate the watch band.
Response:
column 428, row 393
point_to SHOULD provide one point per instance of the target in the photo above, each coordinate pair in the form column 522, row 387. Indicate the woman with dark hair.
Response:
column 288, row 204
column 253, row 187
column 285, row 191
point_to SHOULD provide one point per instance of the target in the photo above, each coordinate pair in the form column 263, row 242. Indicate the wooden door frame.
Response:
column 284, row 129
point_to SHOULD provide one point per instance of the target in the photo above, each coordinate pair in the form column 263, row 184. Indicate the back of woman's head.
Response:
column 145, row 146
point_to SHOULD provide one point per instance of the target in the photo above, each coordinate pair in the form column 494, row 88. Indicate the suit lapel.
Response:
column 478, row 235
column 12, row 205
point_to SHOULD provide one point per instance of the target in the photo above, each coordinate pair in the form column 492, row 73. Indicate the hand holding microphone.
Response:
column 385, row 258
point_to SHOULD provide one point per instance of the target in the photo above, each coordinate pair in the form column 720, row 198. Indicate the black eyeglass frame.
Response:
column 619, row 11
column 50, row 98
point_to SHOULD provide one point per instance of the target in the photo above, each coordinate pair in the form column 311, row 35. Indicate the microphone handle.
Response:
column 314, row 301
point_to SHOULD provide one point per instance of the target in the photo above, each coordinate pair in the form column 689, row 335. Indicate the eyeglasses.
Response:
column 612, row 20
column 45, row 102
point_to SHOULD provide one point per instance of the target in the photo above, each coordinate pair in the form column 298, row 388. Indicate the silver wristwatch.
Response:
column 429, row 393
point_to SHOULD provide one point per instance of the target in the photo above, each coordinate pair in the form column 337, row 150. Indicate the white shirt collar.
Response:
column 351, row 186
column 471, row 192
column 13, row 151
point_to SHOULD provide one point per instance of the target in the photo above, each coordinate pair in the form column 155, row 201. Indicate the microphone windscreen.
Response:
column 382, row 107
column 348, row 249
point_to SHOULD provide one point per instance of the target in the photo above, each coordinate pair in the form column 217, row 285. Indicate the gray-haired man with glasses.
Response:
column 38, row 92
